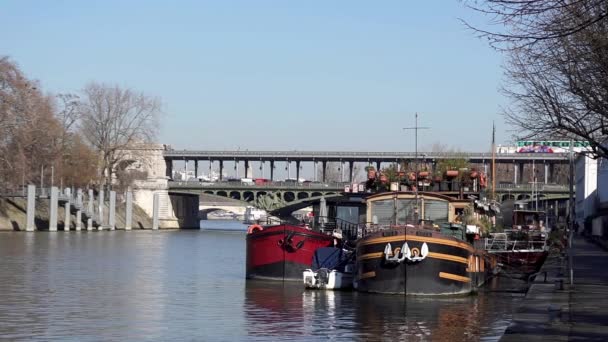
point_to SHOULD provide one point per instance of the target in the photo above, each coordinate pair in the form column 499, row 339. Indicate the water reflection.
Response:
column 190, row 286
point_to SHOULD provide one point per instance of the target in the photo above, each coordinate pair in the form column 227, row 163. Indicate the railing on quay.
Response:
column 530, row 187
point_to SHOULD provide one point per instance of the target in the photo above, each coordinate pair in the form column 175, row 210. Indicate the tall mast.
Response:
column 416, row 128
column 493, row 161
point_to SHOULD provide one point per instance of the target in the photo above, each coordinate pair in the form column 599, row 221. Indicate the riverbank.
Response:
column 13, row 215
column 556, row 312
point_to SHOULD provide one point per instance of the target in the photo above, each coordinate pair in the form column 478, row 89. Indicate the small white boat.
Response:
column 325, row 279
column 332, row 269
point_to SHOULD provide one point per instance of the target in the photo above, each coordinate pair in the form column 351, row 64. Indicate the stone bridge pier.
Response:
column 175, row 210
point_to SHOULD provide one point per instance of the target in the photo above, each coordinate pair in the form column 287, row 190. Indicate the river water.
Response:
column 190, row 286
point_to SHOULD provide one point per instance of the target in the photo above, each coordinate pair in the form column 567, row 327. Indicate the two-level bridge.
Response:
column 513, row 167
column 291, row 194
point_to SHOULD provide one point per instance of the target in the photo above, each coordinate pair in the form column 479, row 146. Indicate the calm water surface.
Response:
column 190, row 286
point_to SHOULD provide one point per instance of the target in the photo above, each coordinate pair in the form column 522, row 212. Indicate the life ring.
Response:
column 254, row 228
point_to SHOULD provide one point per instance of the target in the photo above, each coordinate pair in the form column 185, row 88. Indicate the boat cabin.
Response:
column 528, row 220
column 402, row 208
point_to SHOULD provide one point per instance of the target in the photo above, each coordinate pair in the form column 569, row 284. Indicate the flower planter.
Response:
column 451, row 173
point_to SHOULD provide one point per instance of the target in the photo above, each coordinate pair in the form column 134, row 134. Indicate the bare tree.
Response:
column 28, row 129
column 524, row 23
column 114, row 118
column 557, row 67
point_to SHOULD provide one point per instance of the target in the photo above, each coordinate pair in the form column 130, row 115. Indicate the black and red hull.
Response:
column 282, row 252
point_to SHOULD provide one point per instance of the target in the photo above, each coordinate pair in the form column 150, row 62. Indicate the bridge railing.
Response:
column 356, row 155
column 242, row 185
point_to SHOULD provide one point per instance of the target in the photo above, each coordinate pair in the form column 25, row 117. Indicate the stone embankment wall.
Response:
column 13, row 215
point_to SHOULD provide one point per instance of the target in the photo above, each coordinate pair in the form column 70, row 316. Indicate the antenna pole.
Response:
column 416, row 128
column 493, row 161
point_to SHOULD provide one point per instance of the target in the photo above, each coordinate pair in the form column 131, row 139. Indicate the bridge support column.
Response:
column 324, row 165
column 298, row 170
column 546, row 173
column 196, row 168
column 30, row 226
column 247, row 175
column 169, row 168
column 515, row 172
column 272, row 170
column 351, row 165
column 378, row 164
column 221, row 170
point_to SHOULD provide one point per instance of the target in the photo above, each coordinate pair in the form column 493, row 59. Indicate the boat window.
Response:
column 348, row 214
column 406, row 211
column 383, row 210
column 436, row 211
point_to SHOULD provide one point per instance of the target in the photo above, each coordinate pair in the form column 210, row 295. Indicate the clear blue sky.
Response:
column 278, row 75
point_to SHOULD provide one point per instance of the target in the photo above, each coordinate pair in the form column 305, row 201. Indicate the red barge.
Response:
column 523, row 248
column 282, row 252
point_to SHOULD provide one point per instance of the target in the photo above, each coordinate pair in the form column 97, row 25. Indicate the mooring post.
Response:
column 67, row 206
column 90, row 203
column 101, row 200
column 31, row 208
column 90, row 210
column 129, row 211
column 112, row 218
column 53, row 206
column 78, row 209
column 155, row 212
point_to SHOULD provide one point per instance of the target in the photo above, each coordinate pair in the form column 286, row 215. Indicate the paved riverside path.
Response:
column 578, row 313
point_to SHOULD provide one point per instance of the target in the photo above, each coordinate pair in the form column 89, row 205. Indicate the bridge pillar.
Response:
column 272, row 170
column 196, row 168
column 247, row 175
column 351, row 165
column 169, row 168
column 378, row 164
column 221, row 170
column 298, row 170
column 324, row 165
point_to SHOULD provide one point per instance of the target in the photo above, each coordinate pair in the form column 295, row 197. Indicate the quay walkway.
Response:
column 551, row 312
